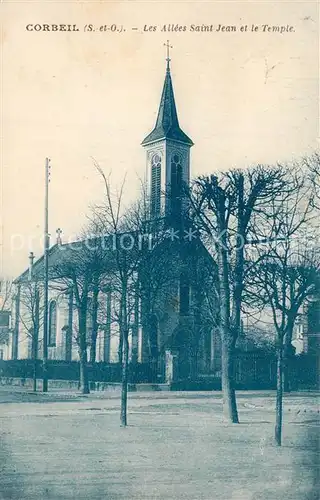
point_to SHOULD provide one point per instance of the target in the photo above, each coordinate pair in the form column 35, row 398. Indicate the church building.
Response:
column 172, row 323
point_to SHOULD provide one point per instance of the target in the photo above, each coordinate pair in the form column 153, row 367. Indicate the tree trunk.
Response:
column 93, row 348
column 228, row 350
column 239, row 263
column 107, row 332
column 125, row 355
column 278, row 426
column 120, row 348
column 124, row 387
column 230, row 411
column 84, row 380
column 35, row 337
column 94, row 333
column 68, row 332
column 121, row 329
column 135, row 331
column 34, row 388
column 15, row 333
column 227, row 339
column 288, row 353
column 34, row 357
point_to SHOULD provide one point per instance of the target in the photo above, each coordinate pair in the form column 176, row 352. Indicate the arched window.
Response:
column 52, row 323
column 176, row 184
column 155, row 185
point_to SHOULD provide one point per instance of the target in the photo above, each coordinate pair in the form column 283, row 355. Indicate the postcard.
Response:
column 159, row 254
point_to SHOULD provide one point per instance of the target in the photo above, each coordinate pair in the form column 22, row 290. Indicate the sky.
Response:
column 244, row 97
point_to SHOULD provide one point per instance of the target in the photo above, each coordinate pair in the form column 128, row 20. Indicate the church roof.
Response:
column 167, row 124
column 83, row 253
column 77, row 253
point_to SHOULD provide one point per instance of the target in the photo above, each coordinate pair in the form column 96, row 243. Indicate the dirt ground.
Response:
column 63, row 445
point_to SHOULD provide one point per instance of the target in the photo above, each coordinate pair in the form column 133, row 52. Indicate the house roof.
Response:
column 167, row 124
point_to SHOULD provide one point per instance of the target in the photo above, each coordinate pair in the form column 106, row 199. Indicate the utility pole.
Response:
column 46, row 267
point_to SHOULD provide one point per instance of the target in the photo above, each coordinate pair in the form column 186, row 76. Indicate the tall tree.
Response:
column 139, row 270
column 81, row 266
column 223, row 206
column 111, row 219
column 31, row 316
column 284, row 274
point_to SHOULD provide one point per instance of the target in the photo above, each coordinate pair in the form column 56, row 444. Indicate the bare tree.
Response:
column 157, row 272
column 5, row 293
column 31, row 299
column 258, row 337
column 6, row 296
column 284, row 274
column 79, row 269
column 202, row 271
column 223, row 206
column 110, row 218
column 312, row 164
column 139, row 270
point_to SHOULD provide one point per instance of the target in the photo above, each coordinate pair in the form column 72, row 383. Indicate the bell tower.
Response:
column 168, row 157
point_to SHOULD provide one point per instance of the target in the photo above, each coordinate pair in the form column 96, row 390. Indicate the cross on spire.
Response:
column 31, row 258
column 168, row 46
column 58, row 233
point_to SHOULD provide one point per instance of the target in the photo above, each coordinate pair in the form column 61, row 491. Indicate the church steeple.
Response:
column 168, row 157
column 167, row 124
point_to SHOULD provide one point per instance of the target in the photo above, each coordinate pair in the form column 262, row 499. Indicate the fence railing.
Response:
column 251, row 372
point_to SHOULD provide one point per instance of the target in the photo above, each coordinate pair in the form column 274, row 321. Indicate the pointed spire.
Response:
column 167, row 124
